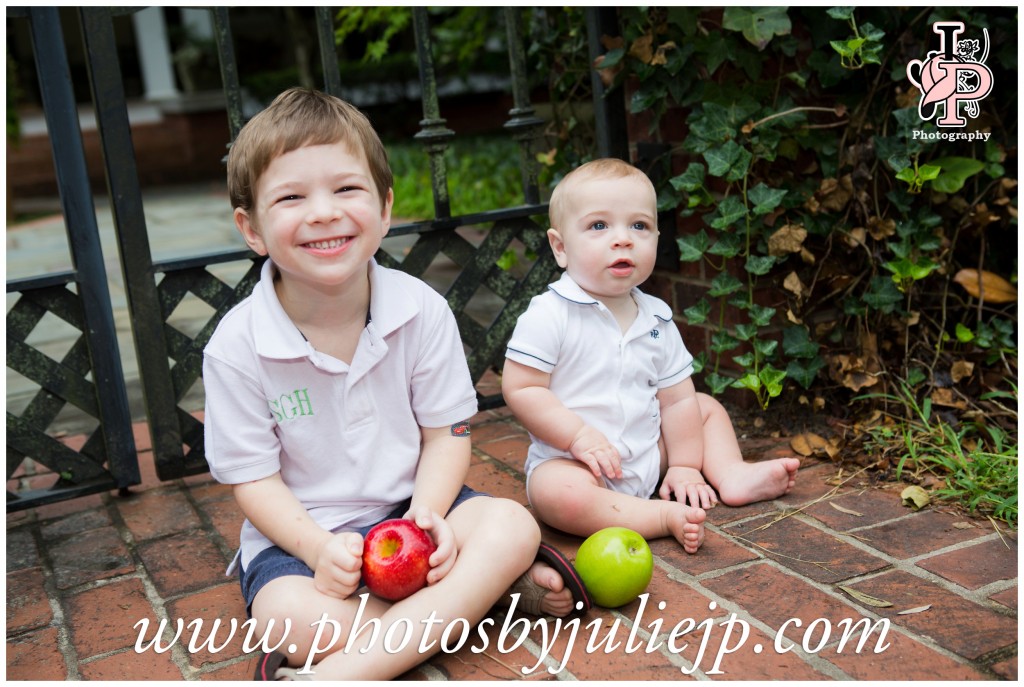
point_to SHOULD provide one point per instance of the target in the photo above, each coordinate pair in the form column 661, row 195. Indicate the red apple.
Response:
column 396, row 557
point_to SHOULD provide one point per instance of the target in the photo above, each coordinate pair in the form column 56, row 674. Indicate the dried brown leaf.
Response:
column 808, row 444
column 946, row 397
column 865, row 598
column 789, row 239
column 834, row 194
column 857, row 237
column 881, row 228
column 919, row 609
column 915, row 497
column 987, row 285
column 641, row 49
column 845, row 510
column 793, row 284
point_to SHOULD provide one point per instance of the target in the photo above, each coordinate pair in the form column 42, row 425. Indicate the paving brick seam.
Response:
column 833, row 592
column 909, row 565
column 58, row 621
column 813, row 660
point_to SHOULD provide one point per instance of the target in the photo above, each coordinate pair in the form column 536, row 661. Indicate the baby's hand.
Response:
column 443, row 559
column 339, row 565
column 688, row 485
column 591, row 447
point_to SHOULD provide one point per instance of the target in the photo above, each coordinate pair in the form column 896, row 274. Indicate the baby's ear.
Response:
column 558, row 247
column 245, row 226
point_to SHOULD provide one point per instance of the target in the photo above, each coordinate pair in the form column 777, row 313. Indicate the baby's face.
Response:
column 608, row 235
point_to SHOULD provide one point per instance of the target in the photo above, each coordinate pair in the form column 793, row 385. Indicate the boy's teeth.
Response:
column 326, row 245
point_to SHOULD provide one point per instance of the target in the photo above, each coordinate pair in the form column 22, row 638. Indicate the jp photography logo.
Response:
column 952, row 80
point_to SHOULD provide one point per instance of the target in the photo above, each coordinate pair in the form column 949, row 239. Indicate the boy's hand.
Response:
column 689, row 486
column 339, row 565
column 591, row 447
column 443, row 559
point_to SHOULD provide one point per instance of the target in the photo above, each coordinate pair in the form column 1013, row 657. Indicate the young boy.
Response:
column 597, row 373
column 338, row 396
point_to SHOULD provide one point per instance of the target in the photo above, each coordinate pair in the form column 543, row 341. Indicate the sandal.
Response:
column 531, row 594
column 274, row 666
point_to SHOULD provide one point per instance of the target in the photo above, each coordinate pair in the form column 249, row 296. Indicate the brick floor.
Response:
column 82, row 573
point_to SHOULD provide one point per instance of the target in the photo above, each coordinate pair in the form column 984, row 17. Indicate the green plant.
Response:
column 483, row 174
column 977, row 461
column 828, row 217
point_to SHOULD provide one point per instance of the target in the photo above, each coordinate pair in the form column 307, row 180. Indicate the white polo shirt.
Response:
column 345, row 438
column 607, row 378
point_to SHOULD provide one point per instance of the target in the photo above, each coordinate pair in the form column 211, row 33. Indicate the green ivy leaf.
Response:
column 796, row 343
column 772, row 379
column 724, row 284
column 693, row 247
column 963, row 333
column 728, row 212
column 905, row 272
column 758, row 24
column 690, row 180
column 765, row 348
column 612, row 58
column 803, row 372
column 727, row 246
column 744, row 360
column 955, row 172
column 697, row 313
column 765, row 198
column 748, row 381
column 883, row 295
column 700, row 361
column 745, row 331
column 841, row 13
column 761, row 315
column 759, row 264
column 717, row 383
column 729, row 160
column 723, row 341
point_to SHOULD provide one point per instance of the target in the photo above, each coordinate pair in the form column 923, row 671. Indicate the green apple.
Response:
column 616, row 565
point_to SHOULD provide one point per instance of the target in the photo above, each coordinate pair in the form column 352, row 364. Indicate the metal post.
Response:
column 228, row 70
column 609, row 112
column 86, row 252
column 524, row 126
column 132, row 239
column 328, row 52
column 433, row 133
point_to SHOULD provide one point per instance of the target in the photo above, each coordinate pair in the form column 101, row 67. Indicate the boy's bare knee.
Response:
column 513, row 525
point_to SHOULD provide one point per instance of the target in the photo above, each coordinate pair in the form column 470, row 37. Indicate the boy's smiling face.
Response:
column 607, row 235
column 318, row 215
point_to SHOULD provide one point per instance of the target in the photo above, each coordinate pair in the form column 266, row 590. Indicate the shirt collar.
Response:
column 276, row 336
column 649, row 307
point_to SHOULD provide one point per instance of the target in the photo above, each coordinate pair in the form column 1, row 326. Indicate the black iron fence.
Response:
column 41, row 468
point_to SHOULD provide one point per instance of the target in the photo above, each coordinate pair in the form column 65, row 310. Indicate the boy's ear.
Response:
column 248, row 231
column 558, row 248
column 385, row 214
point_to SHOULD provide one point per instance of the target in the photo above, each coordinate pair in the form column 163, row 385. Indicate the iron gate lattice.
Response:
column 170, row 360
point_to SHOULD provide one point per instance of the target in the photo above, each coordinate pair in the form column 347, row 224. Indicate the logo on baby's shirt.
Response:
column 655, row 334
column 291, row 406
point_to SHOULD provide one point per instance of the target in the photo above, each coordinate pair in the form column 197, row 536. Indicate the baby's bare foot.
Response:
column 762, row 481
column 687, row 525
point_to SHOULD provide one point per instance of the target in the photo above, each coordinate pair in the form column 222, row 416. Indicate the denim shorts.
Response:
column 275, row 562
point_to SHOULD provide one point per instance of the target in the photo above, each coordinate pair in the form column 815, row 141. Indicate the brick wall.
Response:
column 182, row 148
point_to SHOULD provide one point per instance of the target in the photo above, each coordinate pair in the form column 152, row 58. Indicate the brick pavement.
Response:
column 81, row 574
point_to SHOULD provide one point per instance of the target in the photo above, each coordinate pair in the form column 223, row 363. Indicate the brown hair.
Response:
column 602, row 168
column 297, row 118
